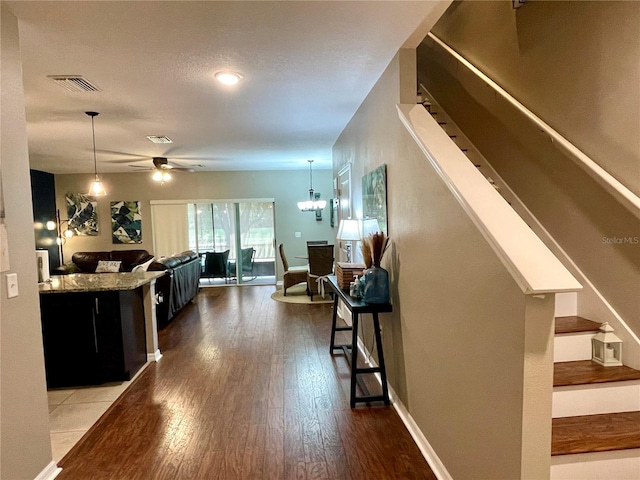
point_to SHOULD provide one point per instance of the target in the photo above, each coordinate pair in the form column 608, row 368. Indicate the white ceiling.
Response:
column 307, row 66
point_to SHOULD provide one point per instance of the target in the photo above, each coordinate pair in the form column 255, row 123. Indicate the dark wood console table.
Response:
column 356, row 306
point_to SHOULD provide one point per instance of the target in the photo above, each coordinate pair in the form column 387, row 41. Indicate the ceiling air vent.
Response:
column 159, row 139
column 74, row 83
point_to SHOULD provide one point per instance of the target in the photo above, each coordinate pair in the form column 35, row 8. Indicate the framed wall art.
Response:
column 374, row 196
column 126, row 222
column 82, row 212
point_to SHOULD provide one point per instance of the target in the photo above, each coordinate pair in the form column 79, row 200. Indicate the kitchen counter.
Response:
column 98, row 327
column 98, row 282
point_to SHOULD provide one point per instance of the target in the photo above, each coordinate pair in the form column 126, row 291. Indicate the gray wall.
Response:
column 451, row 296
column 574, row 64
column 25, row 448
column 287, row 187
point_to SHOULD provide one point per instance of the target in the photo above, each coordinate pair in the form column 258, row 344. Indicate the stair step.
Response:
column 575, row 324
column 595, row 433
column 587, row 388
column 585, row 372
column 573, row 338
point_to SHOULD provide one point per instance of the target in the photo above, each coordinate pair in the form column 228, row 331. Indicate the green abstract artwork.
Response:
column 82, row 211
column 126, row 222
column 374, row 196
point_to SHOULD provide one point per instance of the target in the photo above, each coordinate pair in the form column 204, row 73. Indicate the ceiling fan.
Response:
column 163, row 163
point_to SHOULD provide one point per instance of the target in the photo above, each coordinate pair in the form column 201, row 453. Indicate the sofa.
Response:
column 181, row 284
column 175, row 289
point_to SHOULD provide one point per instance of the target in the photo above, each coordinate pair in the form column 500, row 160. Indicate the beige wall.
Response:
column 25, row 448
column 573, row 64
column 287, row 187
column 455, row 342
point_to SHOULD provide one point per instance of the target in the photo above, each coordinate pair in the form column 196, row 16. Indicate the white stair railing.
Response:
column 533, row 266
column 620, row 192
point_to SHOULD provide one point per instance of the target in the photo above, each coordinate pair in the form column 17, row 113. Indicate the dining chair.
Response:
column 292, row 275
column 320, row 264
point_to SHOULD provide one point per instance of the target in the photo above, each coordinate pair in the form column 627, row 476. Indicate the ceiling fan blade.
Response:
column 123, row 154
column 141, row 167
column 125, row 160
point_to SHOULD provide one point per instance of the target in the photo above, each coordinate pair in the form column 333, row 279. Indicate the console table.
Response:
column 98, row 327
column 356, row 306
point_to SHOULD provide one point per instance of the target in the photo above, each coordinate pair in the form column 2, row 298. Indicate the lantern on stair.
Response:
column 606, row 347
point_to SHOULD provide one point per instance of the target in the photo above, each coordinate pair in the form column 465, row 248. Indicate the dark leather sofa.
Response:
column 181, row 284
column 175, row 289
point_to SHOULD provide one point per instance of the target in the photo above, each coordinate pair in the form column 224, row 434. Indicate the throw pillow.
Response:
column 143, row 266
column 105, row 266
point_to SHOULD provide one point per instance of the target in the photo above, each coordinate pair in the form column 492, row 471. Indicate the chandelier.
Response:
column 314, row 203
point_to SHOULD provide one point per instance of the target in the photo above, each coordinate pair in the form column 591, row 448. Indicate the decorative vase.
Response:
column 376, row 285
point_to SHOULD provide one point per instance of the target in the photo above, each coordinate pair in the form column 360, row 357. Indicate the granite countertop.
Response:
column 97, row 282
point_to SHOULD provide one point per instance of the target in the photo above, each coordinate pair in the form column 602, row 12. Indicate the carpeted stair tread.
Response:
column 575, row 324
column 595, row 433
column 584, row 372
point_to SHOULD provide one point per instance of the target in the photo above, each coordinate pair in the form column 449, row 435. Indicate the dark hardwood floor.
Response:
column 246, row 390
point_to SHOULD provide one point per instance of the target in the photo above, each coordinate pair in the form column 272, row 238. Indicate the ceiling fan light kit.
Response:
column 96, row 189
column 161, row 176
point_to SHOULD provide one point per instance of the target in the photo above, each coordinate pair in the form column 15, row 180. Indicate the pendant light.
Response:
column 314, row 203
column 96, row 189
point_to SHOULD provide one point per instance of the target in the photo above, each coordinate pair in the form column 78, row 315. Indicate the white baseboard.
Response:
column 50, row 472
column 429, row 454
column 154, row 357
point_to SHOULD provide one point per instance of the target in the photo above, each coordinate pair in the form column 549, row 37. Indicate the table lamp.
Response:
column 349, row 231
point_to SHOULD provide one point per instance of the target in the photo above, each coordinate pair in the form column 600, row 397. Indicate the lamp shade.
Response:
column 348, row 230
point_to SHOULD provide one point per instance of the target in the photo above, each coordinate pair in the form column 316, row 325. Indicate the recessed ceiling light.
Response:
column 228, row 78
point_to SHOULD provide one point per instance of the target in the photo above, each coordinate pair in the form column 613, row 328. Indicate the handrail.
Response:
column 625, row 196
column 532, row 265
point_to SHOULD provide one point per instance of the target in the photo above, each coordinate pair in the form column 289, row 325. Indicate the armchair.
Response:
column 292, row 275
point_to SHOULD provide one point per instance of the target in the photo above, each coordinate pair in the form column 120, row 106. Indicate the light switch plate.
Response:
column 12, row 285
column 298, row 234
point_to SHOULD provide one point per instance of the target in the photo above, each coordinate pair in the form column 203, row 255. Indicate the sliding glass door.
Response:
column 222, row 229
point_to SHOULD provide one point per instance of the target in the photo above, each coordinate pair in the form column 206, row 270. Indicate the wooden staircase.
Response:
column 596, row 409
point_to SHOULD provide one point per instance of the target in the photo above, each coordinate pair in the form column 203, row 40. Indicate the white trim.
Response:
column 625, row 196
column 154, row 357
column 50, row 472
column 210, row 200
column 429, row 454
column 532, row 265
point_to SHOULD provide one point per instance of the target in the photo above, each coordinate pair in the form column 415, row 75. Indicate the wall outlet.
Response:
column 12, row 285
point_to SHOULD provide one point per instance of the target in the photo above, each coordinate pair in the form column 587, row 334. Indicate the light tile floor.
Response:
column 74, row 411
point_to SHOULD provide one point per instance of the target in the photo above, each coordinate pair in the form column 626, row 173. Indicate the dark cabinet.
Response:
column 92, row 337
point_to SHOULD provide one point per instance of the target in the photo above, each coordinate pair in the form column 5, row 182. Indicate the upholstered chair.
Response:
column 292, row 275
column 320, row 265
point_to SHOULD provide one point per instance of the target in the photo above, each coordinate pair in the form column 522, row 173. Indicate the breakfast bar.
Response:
column 98, row 328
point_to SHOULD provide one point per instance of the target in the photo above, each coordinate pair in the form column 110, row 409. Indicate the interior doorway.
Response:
column 344, row 203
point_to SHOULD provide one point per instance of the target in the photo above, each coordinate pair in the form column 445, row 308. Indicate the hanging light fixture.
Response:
column 314, row 203
column 96, row 189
